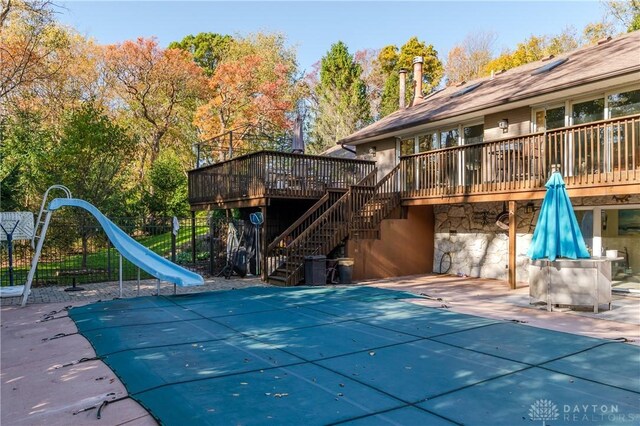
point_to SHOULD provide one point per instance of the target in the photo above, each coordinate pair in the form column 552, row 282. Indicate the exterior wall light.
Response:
column 372, row 151
column 530, row 207
column 504, row 125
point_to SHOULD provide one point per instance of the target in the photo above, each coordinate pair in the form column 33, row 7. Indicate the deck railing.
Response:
column 595, row 154
column 274, row 174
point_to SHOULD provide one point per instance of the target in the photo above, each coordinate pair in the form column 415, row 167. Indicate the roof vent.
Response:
column 462, row 83
column 549, row 66
column 466, row 90
column 502, row 71
column 604, row 40
column 546, row 58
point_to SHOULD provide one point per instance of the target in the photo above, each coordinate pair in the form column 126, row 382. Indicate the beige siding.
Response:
column 519, row 124
column 385, row 158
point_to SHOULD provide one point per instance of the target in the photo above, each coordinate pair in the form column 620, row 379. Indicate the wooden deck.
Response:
column 596, row 159
column 600, row 158
column 250, row 180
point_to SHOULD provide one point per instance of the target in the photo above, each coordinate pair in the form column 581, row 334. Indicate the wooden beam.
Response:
column 536, row 194
column 513, row 222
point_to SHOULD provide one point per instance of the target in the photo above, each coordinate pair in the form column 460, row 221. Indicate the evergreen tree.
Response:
column 341, row 98
column 392, row 59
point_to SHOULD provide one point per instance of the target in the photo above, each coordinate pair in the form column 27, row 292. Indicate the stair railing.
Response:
column 322, row 235
column 275, row 250
column 372, row 204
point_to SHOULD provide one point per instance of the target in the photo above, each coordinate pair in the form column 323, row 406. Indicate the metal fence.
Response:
column 79, row 251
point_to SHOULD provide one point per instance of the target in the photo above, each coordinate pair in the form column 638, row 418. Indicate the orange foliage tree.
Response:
column 251, row 89
column 159, row 88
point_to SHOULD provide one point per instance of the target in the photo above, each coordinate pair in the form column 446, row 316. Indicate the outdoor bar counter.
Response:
column 580, row 282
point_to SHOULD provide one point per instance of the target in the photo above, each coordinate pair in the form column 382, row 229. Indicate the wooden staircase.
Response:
column 357, row 212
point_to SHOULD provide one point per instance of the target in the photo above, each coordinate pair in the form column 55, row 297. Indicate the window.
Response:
column 621, row 104
column 586, row 112
column 449, row 138
column 549, row 119
column 428, row 142
column 407, row 146
column 473, row 134
column 555, row 118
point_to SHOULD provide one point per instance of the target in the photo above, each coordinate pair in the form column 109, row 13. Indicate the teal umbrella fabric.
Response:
column 557, row 232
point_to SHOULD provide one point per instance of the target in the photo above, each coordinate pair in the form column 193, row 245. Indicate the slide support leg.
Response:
column 120, row 274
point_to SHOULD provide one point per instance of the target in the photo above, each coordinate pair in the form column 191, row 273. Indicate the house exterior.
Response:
column 474, row 150
column 455, row 180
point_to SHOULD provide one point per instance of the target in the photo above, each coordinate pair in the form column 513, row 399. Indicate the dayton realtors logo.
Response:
column 544, row 410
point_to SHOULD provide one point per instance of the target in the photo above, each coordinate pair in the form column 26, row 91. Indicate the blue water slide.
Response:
column 132, row 250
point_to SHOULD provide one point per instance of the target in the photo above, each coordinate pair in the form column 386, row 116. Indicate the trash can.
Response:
column 345, row 270
column 315, row 269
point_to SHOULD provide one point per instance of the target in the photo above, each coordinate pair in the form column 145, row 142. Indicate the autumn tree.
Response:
column 207, row 49
column 159, row 88
column 534, row 49
column 626, row 13
column 340, row 99
column 252, row 88
column 392, row 59
column 468, row 59
column 29, row 41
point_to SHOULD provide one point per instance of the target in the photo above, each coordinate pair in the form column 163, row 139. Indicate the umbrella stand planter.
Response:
column 573, row 282
column 561, row 271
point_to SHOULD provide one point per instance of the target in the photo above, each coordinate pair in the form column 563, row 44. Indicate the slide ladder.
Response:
column 37, row 239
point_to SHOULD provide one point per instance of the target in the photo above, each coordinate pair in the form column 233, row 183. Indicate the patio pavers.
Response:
column 328, row 356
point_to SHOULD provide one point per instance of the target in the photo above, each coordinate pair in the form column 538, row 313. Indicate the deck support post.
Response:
column 263, row 245
column 512, row 244
column 120, row 273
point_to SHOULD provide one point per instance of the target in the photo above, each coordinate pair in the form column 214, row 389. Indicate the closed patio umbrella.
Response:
column 297, row 147
column 557, row 232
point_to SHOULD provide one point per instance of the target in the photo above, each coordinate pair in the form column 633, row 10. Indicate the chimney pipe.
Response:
column 403, row 87
column 417, row 78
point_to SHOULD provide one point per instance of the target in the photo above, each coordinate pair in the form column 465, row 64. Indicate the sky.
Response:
column 311, row 27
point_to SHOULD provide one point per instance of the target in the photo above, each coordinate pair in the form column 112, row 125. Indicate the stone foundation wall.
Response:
column 479, row 248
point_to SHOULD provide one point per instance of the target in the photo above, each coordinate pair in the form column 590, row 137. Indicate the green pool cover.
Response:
column 353, row 355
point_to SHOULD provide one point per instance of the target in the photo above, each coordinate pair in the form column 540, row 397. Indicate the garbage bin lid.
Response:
column 345, row 261
column 316, row 257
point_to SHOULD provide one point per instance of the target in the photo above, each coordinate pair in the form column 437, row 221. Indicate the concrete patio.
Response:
column 43, row 382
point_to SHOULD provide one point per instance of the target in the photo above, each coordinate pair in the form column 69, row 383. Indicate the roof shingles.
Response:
column 593, row 63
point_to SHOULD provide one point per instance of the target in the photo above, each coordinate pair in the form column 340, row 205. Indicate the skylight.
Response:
column 549, row 66
column 466, row 90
